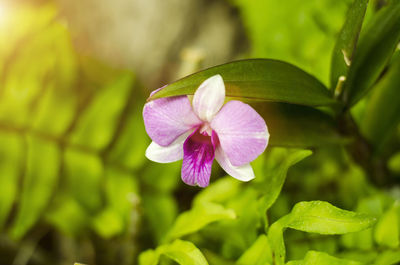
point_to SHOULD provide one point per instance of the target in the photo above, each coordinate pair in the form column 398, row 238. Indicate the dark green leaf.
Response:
column 347, row 40
column 374, row 50
column 382, row 113
column 260, row 80
column 298, row 126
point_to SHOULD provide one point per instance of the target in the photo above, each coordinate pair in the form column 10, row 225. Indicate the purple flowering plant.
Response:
column 198, row 132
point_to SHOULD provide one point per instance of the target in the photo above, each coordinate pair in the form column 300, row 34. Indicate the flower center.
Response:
column 206, row 129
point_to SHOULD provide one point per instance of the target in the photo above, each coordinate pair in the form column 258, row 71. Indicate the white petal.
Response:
column 243, row 173
column 209, row 98
column 167, row 154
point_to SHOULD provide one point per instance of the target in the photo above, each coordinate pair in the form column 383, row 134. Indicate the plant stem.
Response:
column 362, row 152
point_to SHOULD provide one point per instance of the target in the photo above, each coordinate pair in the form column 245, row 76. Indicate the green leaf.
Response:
column 257, row 79
column 324, row 218
column 276, row 177
column 122, row 203
column 387, row 229
column 131, row 143
column 149, row 257
column 99, row 121
column 43, row 160
column 219, row 191
column 315, row 217
column 388, row 257
column 67, row 208
column 83, row 177
column 374, row 50
column 108, row 223
column 298, row 126
column 275, row 237
column 321, row 258
column 182, row 252
column 258, row 254
column 198, row 217
column 347, row 41
column 382, row 113
column 160, row 211
column 11, row 158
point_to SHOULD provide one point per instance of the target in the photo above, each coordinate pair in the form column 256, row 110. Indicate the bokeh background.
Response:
column 75, row 185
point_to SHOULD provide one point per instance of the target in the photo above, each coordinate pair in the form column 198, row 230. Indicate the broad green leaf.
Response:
column 374, row 50
column 388, row 257
column 68, row 216
column 315, row 217
column 257, row 79
column 40, row 179
column 246, row 225
column 219, row 191
column 198, row 217
column 216, row 259
column 23, row 87
column 160, row 211
column 298, row 126
column 57, row 93
column 387, row 228
column 324, row 218
column 108, row 223
column 382, row 113
column 321, row 258
column 182, row 252
column 11, row 160
column 347, row 41
column 121, row 190
column 364, row 240
column 99, row 121
column 122, row 203
column 149, row 257
column 276, row 177
column 131, row 142
column 258, row 254
column 83, row 172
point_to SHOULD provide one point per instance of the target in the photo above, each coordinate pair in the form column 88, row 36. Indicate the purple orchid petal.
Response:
column 167, row 154
column 166, row 119
column 243, row 173
column 242, row 132
column 198, row 156
column 209, row 98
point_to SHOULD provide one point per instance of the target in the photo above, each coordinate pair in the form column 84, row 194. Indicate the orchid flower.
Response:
column 234, row 134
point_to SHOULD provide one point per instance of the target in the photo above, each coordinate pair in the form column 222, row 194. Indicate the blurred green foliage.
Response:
column 75, row 184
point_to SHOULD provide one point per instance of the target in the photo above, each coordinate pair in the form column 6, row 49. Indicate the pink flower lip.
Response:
column 205, row 129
